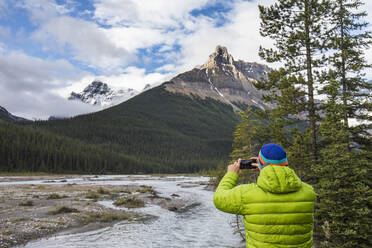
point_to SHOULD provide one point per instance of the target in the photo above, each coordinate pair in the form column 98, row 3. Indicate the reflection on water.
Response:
column 201, row 226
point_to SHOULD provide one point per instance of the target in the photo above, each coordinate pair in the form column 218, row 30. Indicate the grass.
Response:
column 63, row 210
column 55, row 196
column 104, row 217
column 130, row 202
column 20, row 220
column 146, row 189
column 7, row 233
column 103, row 191
column 27, row 203
column 92, row 195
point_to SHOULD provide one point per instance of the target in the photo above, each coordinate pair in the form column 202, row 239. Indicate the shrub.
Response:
column 28, row 203
column 103, row 191
column 130, row 202
column 55, row 196
column 92, row 195
column 64, row 210
column 146, row 189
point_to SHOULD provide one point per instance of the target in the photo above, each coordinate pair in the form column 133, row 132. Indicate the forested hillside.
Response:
column 157, row 131
column 25, row 149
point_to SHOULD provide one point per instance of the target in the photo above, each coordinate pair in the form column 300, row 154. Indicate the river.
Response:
column 200, row 226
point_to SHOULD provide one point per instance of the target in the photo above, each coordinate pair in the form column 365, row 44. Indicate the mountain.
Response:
column 99, row 93
column 224, row 79
column 184, row 125
column 6, row 116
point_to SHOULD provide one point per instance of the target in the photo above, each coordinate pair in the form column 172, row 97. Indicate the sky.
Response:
column 49, row 48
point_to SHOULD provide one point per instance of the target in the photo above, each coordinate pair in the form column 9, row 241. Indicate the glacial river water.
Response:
column 200, row 226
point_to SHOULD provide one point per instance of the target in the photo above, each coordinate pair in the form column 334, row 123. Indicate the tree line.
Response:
column 156, row 132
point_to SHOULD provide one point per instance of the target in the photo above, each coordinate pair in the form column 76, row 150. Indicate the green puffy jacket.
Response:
column 278, row 210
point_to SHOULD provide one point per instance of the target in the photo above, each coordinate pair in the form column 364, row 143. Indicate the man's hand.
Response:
column 255, row 164
column 235, row 167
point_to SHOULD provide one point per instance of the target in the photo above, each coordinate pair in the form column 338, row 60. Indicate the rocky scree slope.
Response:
column 223, row 79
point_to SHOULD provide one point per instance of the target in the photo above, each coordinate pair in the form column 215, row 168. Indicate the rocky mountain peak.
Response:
column 223, row 79
column 97, row 87
column 100, row 94
column 220, row 58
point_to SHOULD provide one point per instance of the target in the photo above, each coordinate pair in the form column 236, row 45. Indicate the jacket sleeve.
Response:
column 227, row 197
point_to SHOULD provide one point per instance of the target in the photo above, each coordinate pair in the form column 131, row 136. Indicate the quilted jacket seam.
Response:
column 276, row 243
column 276, row 202
column 278, row 234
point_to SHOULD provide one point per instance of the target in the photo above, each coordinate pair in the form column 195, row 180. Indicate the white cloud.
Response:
column 133, row 77
column 21, row 72
column 3, row 8
column 41, row 10
column 240, row 35
column 144, row 13
column 43, row 105
column 132, row 38
column 84, row 41
column 27, row 85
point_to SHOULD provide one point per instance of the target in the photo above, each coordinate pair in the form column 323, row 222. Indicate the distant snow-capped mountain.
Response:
column 100, row 94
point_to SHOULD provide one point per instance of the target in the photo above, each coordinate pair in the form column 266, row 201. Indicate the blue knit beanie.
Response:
column 272, row 154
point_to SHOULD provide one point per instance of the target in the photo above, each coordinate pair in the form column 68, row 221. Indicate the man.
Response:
column 278, row 210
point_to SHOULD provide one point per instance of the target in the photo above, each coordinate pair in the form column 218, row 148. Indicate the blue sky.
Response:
column 49, row 48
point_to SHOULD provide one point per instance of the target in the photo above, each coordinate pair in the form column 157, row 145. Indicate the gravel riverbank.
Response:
column 32, row 211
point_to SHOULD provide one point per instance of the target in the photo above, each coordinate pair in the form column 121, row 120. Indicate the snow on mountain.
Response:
column 224, row 79
column 6, row 116
column 100, row 94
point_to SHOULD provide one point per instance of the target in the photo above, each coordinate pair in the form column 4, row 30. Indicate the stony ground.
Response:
column 29, row 211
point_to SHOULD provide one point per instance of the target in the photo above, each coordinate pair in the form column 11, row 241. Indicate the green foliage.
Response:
column 33, row 150
column 146, row 189
column 27, row 203
column 55, row 196
column 103, row 191
column 130, row 202
column 92, row 195
column 297, row 29
column 63, row 210
column 104, row 217
column 155, row 132
column 345, row 195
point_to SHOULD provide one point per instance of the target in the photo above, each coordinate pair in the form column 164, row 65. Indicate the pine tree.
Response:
column 297, row 29
column 348, row 41
column 245, row 136
column 344, row 186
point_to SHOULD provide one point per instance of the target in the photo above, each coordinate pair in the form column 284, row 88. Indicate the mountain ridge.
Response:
column 99, row 93
column 5, row 115
column 224, row 79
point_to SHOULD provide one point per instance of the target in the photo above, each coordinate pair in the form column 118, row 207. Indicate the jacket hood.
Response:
column 278, row 179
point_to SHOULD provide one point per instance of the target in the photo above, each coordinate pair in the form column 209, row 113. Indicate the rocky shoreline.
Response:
column 33, row 211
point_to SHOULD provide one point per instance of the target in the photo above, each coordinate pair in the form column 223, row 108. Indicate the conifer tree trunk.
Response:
column 310, row 82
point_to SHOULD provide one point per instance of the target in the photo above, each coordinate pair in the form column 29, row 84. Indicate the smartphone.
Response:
column 247, row 164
